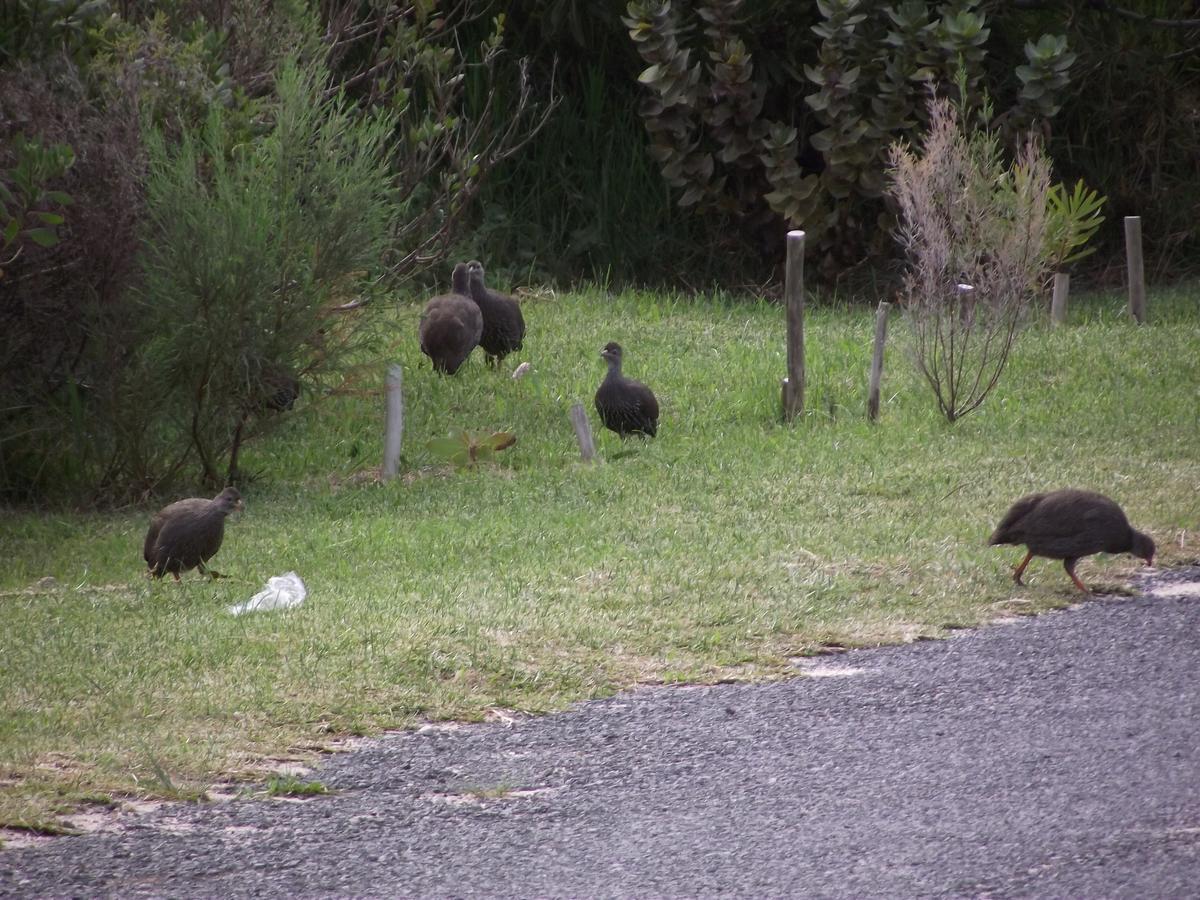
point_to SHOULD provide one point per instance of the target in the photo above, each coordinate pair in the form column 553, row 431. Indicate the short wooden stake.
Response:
column 394, row 429
column 881, row 320
column 583, row 432
column 793, row 294
column 1058, row 302
column 1134, row 268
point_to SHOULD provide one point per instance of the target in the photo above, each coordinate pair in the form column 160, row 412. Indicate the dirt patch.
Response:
column 1182, row 589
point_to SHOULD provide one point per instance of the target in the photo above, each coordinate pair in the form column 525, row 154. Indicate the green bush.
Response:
column 246, row 250
column 246, row 246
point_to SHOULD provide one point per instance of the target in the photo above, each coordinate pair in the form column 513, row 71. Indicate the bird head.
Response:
column 1143, row 547
column 612, row 352
column 230, row 500
column 475, row 270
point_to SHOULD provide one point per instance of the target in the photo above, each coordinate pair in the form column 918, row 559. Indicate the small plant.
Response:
column 1074, row 218
column 976, row 231
column 496, row 792
column 465, row 450
column 291, row 786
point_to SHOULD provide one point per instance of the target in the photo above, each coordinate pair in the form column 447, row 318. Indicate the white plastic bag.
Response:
column 282, row 592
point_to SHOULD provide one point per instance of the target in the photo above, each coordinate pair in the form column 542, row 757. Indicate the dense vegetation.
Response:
column 560, row 139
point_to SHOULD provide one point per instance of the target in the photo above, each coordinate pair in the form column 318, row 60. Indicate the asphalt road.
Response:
column 1057, row 756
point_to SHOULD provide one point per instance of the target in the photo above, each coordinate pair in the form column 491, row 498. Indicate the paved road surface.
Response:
column 1054, row 757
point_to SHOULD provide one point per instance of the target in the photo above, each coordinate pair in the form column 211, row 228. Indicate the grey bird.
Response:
column 451, row 325
column 503, row 324
column 1069, row 525
column 625, row 406
column 188, row 533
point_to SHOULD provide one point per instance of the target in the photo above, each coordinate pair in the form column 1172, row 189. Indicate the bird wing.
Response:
column 1009, row 528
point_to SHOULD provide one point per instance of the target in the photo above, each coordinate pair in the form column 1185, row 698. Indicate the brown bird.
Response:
column 279, row 389
column 1069, row 525
column 188, row 533
column 625, row 406
column 451, row 325
column 503, row 324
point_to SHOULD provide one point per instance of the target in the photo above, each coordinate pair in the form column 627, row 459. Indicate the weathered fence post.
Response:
column 1134, row 268
column 881, row 317
column 1058, row 302
column 793, row 295
column 394, row 429
column 583, row 432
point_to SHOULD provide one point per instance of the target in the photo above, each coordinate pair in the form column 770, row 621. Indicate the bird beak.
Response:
column 240, row 505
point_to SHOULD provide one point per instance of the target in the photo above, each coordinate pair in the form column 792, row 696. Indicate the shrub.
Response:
column 729, row 135
column 968, row 218
column 245, row 251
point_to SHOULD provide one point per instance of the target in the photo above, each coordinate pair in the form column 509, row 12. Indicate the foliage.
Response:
column 1045, row 75
column 407, row 60
column 52, row 31
column 707, row 126
column 1130, row 130
column 62, row 321
column 244, row 256
column 120, row 352
column 975, row 232
column 1073, row 218
column 466, row 451
column 291, row 786
column 706, row 129
column 30, row 212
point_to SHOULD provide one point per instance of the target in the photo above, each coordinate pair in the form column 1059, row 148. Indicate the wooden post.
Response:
column 1058, row 302
column 394, row 429
column 1134, row 269
column 793, row 295
column 583, row 432
column 881, row 317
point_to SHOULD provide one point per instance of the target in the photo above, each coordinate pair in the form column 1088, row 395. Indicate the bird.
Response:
column 279, row 388
column 276, row 389
column 625, row 406
column 188, row 533
column 1069, row 525
column 451, row 325
column 503, row 324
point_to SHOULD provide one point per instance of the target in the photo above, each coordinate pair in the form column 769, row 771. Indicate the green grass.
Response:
column 721, row 549
column 291, row 786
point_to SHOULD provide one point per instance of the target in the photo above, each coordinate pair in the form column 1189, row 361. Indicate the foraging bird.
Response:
column 188, row 533
column 1069, row 525
column 279, row 388
column 503, row 324
column 625, row 406
column 451, row 325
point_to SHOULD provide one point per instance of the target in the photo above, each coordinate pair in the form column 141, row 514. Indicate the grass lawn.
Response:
column 721, row 549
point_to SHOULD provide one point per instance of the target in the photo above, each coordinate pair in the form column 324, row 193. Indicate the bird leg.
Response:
column 176, row 576
column 1069, row 565
column 211, row 573
column 1020, row 570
